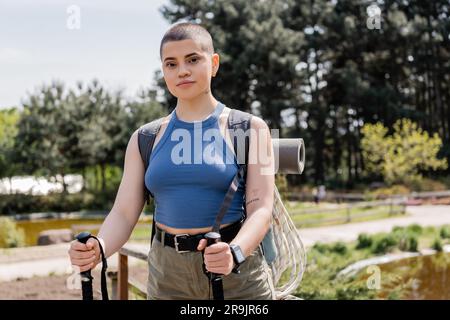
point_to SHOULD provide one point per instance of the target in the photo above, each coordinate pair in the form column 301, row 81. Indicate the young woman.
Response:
column 188, row 193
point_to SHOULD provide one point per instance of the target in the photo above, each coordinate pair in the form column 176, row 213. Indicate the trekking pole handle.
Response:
column 211, row 238
column 83, row 237
column 86, row 277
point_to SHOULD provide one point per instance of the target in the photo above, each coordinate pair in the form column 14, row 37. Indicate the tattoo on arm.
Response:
column 253, row 200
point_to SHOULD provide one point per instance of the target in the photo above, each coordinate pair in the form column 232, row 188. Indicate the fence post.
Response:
column 122, row 287
column 349, row 217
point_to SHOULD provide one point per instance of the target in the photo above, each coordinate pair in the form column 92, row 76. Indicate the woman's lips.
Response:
column 186, row 84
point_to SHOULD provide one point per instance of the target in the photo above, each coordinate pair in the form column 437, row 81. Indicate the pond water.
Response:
column 32, row 228
column 418, row 278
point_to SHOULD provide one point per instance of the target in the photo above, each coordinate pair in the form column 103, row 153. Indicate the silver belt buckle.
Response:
column 177, row 244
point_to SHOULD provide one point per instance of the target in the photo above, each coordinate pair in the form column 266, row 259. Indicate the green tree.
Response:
column 403, row 155
column 317, row 64
column 84, row 130
column 8, row 131
column 43, row 142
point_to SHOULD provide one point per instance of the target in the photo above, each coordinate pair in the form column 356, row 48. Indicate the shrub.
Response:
column 407, row 237
column 411, row 229
column 445, row 232
column 384, row 244
column 412, row 243
column 437, row 245
column 415, row 228
column 427, row 184
column 389, row 191
column 339, row 248
column 321, row 247
column 364, row 241
column 10, row 235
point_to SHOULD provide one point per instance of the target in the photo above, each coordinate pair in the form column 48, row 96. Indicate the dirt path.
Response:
column 55, row 288
column 41, row 272
column 41, row 261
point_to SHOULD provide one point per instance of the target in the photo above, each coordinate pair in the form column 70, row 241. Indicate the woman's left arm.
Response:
column 259, row 188
column 259, row 202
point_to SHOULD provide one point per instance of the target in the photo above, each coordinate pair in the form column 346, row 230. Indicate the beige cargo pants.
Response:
column 179, row 276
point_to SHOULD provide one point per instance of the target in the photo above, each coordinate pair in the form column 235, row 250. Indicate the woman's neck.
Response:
column 196, row 109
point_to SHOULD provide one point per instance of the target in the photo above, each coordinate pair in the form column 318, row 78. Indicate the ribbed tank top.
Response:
column 190, row 175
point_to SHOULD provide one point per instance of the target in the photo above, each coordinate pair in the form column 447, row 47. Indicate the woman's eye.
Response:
column 192, row 61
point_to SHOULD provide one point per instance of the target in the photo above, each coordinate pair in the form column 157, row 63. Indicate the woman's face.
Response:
column 184, row 60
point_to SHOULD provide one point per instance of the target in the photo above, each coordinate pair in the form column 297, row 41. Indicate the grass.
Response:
column 301, row 205
column 319, row 281
column 340, row 216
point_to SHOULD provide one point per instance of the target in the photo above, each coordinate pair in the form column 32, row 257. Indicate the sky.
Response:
column 116, row 42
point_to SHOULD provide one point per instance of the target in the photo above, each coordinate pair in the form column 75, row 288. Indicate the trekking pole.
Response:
column 86, row 277
column 214, row 278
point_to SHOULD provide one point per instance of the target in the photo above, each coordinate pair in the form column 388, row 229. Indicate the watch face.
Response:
column 238, row 255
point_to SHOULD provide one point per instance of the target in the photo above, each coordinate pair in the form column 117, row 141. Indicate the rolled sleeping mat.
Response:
column 289, row 155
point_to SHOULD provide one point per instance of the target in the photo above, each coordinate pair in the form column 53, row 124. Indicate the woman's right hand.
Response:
column 84, row 256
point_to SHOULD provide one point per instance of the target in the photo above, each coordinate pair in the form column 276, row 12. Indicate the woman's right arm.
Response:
column 120, row 222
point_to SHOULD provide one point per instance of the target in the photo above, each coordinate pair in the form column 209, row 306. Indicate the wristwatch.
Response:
column 238, row 257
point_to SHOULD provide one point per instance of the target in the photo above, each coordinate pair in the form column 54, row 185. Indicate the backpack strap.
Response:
column 239, row 123
column 146, row 139
column 238, row 126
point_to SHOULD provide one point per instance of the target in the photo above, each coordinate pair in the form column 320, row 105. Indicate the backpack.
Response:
column 282, row 246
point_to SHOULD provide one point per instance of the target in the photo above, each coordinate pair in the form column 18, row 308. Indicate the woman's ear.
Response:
column 215, row 64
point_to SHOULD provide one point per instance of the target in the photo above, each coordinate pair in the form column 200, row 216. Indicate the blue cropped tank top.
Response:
column 190, row 171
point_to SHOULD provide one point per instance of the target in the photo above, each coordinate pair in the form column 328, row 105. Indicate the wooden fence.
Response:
column 358, row 197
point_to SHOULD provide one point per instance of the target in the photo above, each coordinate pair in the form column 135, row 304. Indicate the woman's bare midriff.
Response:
column 186, row 231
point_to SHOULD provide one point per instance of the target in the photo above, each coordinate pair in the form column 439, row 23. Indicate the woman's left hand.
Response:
column 218, row 258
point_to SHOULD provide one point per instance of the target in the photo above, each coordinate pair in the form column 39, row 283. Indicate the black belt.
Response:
column 186, row 243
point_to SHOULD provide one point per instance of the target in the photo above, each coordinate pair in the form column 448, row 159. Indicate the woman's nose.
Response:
column 183, row 71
